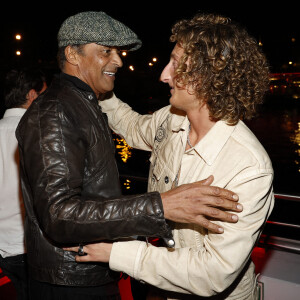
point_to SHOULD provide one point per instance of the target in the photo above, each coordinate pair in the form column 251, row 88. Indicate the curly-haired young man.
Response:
column 217, row 75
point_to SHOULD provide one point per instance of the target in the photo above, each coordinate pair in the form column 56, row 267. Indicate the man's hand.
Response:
column 199, row 202
column 99, row 252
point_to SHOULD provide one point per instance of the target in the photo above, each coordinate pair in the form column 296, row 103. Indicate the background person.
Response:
column 70, row 180
column 21, row 88
column 217, row 76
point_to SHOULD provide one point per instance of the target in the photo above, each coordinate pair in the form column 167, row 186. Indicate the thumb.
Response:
column 208, row 181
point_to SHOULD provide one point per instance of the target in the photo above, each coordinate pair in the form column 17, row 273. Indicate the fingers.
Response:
column 210, row 213
column 204, row 189
column 220, row 215
column 81, row 252
column 84, row 258
column 222, row 193
column 72, row 249
column 209, row 225
column 78, row 258
column 208, row 181
column 225, row 204
column 215, row 214
column 219, row 192
column 93, row 252
column 213, row 196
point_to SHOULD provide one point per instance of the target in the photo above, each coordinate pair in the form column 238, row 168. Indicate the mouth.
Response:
column 110, row 74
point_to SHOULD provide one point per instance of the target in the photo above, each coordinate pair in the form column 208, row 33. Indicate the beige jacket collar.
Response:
column 212, row 143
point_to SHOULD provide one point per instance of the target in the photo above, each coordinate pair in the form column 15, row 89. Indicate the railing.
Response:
column 287, row 197
column 282, row 243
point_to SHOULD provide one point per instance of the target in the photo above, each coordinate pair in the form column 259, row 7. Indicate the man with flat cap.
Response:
column 69, row 176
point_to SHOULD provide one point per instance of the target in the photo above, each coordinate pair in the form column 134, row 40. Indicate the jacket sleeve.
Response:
column 138, row 130
column 52, row 164
column 209, row 269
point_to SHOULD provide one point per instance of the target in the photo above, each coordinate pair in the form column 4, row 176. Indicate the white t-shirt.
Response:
column 11, row 202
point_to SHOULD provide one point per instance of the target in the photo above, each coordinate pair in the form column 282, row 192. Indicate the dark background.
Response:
column 273, row 24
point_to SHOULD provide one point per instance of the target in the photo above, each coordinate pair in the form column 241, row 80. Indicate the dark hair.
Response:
column 61, row 57
column 227, row 69
column 18, row 83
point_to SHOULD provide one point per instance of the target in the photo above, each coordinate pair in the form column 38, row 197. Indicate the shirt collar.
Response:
column 179, row 120
column 213, row 142
column 14, row 112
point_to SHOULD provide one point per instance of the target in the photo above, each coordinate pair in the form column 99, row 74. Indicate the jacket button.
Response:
column 171, row 243
column 166, row 179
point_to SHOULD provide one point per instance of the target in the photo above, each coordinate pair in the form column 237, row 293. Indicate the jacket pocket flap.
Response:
column 158, row 167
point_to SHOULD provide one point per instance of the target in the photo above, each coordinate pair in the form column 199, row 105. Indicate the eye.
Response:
column 175, row 64
column 106, row 51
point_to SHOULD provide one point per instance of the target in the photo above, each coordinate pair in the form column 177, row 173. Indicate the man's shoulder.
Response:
column 250, row 144
column 60, row 95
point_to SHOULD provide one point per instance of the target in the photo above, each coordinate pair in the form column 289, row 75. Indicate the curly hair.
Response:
column 226, row 67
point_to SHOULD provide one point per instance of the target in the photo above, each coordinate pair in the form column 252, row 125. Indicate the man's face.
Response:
column 97, row 66
column 182, row 96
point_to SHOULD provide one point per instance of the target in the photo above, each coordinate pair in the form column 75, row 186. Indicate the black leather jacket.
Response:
column 71, row 188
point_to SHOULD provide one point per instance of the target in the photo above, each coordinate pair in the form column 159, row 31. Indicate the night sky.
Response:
column 274, row 25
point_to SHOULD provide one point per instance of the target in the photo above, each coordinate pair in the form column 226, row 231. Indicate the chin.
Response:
column 173, row 102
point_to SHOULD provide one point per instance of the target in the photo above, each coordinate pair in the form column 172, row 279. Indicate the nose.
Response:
column 165, row 76
column 117, row 59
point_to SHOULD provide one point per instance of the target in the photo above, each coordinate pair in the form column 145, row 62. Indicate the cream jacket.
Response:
column 202, row 263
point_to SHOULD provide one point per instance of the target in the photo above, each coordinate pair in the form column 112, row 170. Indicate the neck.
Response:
column 72, row 71
column 200, row 124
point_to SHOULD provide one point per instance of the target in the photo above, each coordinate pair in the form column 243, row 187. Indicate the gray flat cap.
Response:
column 96, row 27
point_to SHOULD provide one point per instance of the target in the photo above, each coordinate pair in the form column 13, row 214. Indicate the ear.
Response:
column 31, row 96
column 71, row 55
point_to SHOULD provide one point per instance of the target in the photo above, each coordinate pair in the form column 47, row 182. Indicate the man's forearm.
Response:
column 83, row 222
